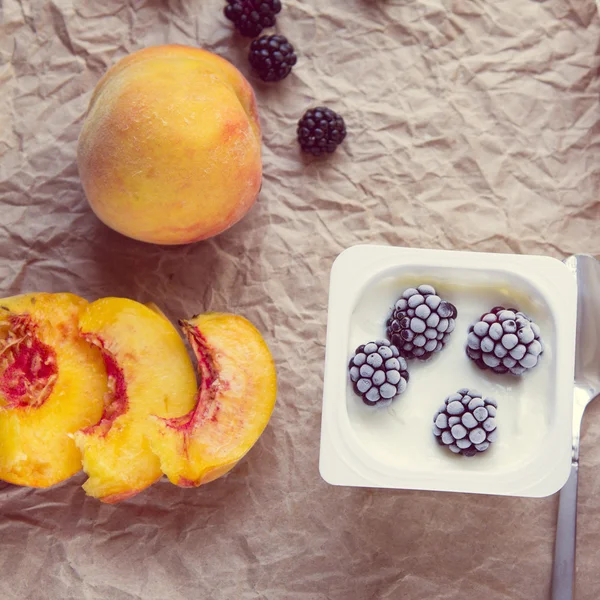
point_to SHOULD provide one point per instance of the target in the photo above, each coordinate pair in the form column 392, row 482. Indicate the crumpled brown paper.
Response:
column 471, row 125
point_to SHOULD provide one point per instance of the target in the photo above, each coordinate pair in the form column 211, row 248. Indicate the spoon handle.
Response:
column 563, row 571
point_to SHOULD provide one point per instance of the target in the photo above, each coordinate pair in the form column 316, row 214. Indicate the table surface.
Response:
column 471, row 125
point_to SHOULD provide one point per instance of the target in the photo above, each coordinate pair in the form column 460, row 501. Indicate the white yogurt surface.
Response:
column 401, row 434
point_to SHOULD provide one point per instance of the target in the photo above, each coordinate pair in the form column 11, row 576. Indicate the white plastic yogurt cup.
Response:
column 394, row 447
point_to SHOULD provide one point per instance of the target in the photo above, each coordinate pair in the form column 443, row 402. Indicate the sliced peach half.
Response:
column 149, row 373
column 51, row 384
column 233, row 405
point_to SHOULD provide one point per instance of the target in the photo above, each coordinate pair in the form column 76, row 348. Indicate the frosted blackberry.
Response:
column 250, row 17
column 378, row 373
column 421, row 322
column 466, row 423
column 272, row 57
column 505, row 341
column 320, row 130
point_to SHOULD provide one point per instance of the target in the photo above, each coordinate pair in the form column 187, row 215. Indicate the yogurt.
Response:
column 400, row 435
column 394, row 446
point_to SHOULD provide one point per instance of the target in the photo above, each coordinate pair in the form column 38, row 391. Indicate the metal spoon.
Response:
column 587, row 387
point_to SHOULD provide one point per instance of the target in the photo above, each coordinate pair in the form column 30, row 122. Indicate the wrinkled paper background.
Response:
column 472, row 125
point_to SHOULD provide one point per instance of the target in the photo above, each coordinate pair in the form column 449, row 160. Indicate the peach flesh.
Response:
column 233, row 404
column 51, row 386
column 115, row 402
column 149, row 373
column 206, row 406
column 28, row 366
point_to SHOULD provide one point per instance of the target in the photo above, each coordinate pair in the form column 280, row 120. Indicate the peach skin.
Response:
column 51, row 384
column 233, row 405
column 170, row 149
column 149, row 373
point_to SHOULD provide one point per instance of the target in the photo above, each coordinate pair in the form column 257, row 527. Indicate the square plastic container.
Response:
column 394, row 447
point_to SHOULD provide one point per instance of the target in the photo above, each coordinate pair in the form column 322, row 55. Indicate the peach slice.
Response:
column 51, row 385
column 149, row 373
column 233, row 404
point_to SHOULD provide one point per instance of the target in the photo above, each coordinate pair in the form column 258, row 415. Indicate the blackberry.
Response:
column 320, row 130
column 505, row 340
column 250, row 17
column 466, row 423
column 378, row 372
column 272, row 56
column 421, row 322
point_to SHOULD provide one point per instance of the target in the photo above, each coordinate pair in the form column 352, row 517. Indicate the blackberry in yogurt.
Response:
column 378, row 373
column 466, row 422
column 421, row 322
column 505, row 341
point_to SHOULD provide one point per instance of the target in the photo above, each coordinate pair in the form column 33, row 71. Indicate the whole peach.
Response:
column 169, row 152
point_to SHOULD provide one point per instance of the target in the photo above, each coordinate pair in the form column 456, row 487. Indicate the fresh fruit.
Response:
column 421, row 322
column 250, row 17
column 505, row 340
column 466, row 422
column 149, row 373
column 233, row 404
column 272, row 57
column 320, row 130
column 170, row 149
column 51, row 384
column 378, row 372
